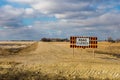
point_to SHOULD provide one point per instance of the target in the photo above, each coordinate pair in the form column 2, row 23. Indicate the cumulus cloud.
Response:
column 21, row 1
column 73, row 17
column 29, row 11
column 61, row 8
column 10, row 16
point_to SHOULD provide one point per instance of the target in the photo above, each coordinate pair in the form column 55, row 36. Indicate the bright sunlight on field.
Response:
column 55, row 61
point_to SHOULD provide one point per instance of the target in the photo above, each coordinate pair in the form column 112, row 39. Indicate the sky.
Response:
column 35, row 19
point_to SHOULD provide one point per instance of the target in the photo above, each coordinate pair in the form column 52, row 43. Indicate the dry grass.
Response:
column 109, row 48
column 10, row 48
column 29, row 48
column 55, row 61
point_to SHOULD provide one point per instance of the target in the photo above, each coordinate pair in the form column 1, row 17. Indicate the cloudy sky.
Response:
column 34, row 19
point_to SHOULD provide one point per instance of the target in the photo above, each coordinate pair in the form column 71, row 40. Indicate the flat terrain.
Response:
column 58, row 58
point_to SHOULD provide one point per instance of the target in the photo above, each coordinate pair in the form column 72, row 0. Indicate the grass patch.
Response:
column 26, row 74
column 16, row 50
column 108, row 53
column 54, row 61
column 40, row 72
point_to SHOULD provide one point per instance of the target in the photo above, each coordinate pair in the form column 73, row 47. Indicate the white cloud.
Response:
column 29, row 11
column 9, row 11
column 10, row 16
column 59, row 7
column 21, row 1
column 74, row 17
column 105, row 19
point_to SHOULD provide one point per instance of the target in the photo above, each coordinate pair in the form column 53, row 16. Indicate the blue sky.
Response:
column 34, row 19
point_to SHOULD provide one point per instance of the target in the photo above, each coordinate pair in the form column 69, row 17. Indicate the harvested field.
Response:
column 55, row 61
column 7, row 48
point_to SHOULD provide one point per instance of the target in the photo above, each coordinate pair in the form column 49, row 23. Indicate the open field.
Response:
column 56, row 61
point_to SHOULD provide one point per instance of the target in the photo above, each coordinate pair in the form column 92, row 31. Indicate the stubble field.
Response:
column 56, row 61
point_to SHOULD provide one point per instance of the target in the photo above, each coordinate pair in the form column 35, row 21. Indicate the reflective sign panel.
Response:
column 83, row 42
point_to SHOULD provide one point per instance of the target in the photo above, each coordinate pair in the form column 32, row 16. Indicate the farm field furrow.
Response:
column 56, row 60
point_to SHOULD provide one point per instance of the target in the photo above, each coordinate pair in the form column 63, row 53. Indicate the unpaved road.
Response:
column 52, row 52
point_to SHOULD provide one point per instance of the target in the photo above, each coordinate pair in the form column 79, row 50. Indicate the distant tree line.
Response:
column 54, row 40
column 110, row 39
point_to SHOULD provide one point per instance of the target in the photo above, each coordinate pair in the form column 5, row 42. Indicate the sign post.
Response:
column 73, row 52
column 94, row 53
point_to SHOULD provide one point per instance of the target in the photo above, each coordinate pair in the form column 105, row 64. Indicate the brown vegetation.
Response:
column 55, row 61
column 29, row 48
column 54, row 40
column 108, row 48
column 12, row 48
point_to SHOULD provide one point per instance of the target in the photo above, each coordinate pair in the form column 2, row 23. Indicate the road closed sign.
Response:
column 82, row 41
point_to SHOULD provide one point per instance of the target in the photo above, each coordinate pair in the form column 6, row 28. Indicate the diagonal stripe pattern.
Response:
column 92, row 42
